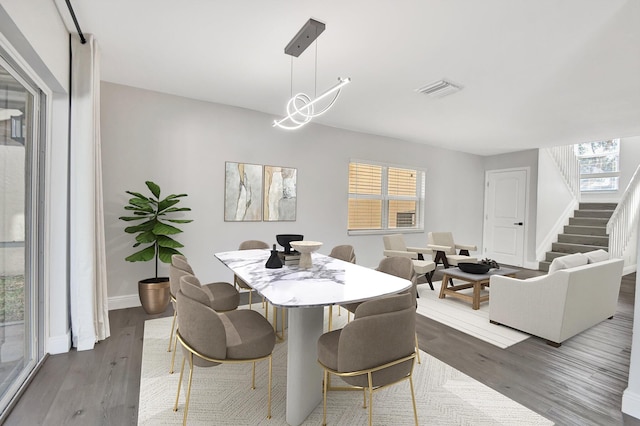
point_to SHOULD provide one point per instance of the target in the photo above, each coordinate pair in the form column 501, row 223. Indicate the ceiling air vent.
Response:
column 439, row 89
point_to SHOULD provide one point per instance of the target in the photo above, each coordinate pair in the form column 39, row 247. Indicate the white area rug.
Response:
column 222, row 395
column 458, row 314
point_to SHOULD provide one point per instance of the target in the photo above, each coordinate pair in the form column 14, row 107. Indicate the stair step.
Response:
column 592, row 240
column 585, row 230
column 550, row 255
column 598, row 206
column 588, row 221
column 569, row 248
column 593, row 213
column 544, row 266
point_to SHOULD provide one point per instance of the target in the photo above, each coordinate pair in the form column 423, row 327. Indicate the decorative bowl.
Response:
column 474, row 268
column 285, row 240
column 306, row 248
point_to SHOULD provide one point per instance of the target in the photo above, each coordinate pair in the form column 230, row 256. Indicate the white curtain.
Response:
column 88, row 277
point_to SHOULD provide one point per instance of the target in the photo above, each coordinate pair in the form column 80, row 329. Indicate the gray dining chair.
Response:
column 372, row 352
column 346, row 253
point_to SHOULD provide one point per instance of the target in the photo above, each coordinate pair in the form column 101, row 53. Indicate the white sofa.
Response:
column 573, row 297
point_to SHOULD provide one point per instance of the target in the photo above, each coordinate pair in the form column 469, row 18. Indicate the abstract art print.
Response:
column 280, row 193
column 242, row 192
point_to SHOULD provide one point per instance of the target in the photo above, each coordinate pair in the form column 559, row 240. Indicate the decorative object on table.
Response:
column 300, row 108
column 242, row 192
column 492, row 263
column 306, row 248
column 280, row 194
column 285, row 241
column 274, row 261
column 155, row 231
column 474, row 268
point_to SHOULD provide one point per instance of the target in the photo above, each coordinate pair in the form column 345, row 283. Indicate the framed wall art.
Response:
column 242, row 192
column 280, row 193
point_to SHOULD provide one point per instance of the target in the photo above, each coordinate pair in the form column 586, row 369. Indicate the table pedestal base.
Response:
column 304, row 375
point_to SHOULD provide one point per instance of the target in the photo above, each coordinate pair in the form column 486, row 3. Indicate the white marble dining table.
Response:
column 306, row 292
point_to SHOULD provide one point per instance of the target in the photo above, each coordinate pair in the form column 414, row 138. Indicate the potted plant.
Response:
column 155, row 233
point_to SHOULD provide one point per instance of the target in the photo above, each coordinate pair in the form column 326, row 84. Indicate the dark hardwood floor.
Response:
column 580, row 383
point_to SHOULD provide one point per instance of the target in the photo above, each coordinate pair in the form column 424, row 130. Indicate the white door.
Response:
column 505, row 211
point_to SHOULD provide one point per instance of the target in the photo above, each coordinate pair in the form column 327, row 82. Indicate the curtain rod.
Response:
column 75, row 21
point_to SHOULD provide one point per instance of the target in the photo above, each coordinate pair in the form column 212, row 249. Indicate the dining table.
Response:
column 305, row 292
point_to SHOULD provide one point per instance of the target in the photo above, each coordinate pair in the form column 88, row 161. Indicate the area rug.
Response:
column 458, row 314
column 222, row 395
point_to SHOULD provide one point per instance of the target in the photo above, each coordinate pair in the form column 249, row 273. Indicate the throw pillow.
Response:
column 568, row 261
column 597, row 256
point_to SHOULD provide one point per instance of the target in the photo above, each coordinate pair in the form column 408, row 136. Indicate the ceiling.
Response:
column 534, row 73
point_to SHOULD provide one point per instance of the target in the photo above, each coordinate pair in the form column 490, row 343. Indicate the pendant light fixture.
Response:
column 301, row 108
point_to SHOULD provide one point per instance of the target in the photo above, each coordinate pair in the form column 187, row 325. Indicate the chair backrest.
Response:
column 190, row 286
column 401, row 267
column 252, row 245
column 383, row 331
column 201, row 328
column 176, row 272
column 394, row 242
column 344, row 252
column 442, row 239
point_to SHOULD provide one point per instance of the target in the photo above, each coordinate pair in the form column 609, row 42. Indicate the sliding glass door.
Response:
column 19, row 224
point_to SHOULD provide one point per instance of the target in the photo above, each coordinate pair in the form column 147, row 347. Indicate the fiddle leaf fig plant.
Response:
column 155, row 213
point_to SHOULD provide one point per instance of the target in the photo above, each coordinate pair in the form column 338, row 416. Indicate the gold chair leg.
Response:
column 370, row 397
column 175, row 407
column 331, row 316
column 186, row 404
column 253, row 376
column 324, row 399
column 339, row 310
column 173, row 327
column 173, row 355
column 269, row 392
column 250, row 292
column 418, row 349
column 413, row 399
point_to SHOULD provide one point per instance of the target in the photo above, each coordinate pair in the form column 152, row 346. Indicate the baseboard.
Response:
column 124, row 302
column 630, row 269
column 631, row 403
column 59, row 344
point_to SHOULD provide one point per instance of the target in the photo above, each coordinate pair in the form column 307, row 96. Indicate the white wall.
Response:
column 528, row 159
column 35, row 33
column 182, row 145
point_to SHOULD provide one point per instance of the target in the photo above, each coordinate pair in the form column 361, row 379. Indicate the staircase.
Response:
column 587, row 231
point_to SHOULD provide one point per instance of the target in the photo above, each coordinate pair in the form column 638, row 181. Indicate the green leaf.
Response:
column 146, row 237
column 172, row 196
column 165, row 229
column 136, row 245
column 165, row 204
column 148, row 210
column 146, row 226
column 155, row 189
column 136, row 194
column 143, row 255
column 129, row 218
column 164, row 241
column 141, row 204
column 176, row 209
column 179, row 220
column 165, row 254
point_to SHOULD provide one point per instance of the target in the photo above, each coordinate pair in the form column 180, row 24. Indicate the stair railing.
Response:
column 624, row 217
column 569, row 167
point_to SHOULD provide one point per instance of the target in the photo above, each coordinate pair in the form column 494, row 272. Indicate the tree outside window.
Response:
column 599, row 165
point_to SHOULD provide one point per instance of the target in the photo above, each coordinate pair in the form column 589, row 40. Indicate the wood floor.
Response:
column 580, row 383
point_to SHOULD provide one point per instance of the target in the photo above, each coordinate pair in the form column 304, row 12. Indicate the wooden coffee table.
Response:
column 475, row 281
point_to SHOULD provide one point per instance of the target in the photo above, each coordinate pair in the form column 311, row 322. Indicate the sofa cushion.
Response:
column 568, row 261
column 597, row 256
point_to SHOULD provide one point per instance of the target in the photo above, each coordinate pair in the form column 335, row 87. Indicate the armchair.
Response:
column 394, row 246
column 444, row 249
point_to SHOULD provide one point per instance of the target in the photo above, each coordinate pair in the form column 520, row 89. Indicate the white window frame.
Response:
column 385, row 198
column 599, row 175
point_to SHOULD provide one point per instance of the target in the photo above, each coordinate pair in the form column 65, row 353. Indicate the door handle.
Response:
column 518, row 223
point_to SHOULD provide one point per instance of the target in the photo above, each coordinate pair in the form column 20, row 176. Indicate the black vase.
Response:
column 274, row 261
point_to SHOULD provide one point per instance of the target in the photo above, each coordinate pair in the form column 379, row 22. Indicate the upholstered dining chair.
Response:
column 394, row 246
column 401, row 267
column 221, row 296
column 346, row 253
column 209, row 338
column 374, row 351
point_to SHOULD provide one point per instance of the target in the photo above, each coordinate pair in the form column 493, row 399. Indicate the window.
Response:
column 599, row 165
column 383, row 197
